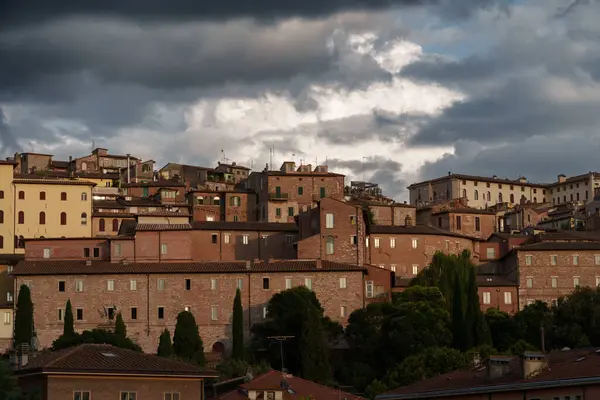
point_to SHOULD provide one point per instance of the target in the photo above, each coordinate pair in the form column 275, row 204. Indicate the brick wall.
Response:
column 468, row 223
column 147, row 298
column 498, row 298
column 396, row 214
column 68, row 249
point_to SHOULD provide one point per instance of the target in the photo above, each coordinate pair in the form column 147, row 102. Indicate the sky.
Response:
column 391, row 91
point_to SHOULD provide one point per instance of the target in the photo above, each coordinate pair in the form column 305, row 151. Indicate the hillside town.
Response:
column 109, row 237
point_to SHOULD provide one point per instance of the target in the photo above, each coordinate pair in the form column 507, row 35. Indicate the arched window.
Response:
column 500, row 198
column 329, row 245
column 571, row 196
column 447, row 194
column 63, row 196
column 21, row 217
column 1, row 217
column 42, row 195
column 21, row 242
column 115, row 225
column 489, row 196
column 476, row 195
column 434, row 195
column 512, row 198
column 42, row 218
column 102, row 225
column 1, row 242
column 84, row 196
column 21, row 195
column 83, row 166
column 586, row 195
column 63, row 218
column 577, row 196
column 464, row 193
column 83, row 218
column 216, row 201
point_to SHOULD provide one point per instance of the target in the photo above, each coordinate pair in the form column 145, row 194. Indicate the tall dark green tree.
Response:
column 165, row 347
column 69, row 328
column 24, row 317
column 460, row 339
column 237, row 327
column 187, row 343
column 313, row 348
column 120, row 328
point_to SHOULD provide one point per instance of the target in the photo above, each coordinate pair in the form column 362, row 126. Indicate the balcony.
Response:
column 278, row 196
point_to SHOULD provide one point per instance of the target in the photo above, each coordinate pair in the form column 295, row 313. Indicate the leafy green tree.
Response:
column 165, row 347
column 375, row 388
column 187, row 343
column 120, row 328
column 313, row 348
column 531, row 319
column 521, row 346
column 24, row 317
column 98, row 336
column 69, row 328
column 237, row 327
column 504, row 329
column 460, row 334
column 9, row 389
column 236, row 368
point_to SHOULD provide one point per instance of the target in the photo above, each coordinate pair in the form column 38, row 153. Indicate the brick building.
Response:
column 524, row 216
column 497, row 292
column 100, row 371
column 239, row 172
column 165, row 191
column 150, row 295
column 285, row 193
column 397, row 214
column 238, row 205
column 466, row 221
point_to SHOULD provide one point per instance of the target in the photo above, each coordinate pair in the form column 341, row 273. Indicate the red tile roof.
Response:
column 565, row 368
column 244, row 226
column 73, row 267
column 107, row 359
column 163, row 227
column 293, row 389
column 165, row 213
column 52, row 181
column 417, row 230
column 160, row 184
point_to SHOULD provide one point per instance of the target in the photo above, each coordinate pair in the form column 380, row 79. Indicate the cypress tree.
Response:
column 187, row 343
column 237, row 327
column 165, row 347
column 313, row 348
column 459, row 331
column 69, row 328
column 120, row 328
column 24, row 317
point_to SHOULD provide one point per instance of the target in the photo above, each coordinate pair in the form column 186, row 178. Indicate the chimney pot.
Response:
column 88, row 262
column 248, row 264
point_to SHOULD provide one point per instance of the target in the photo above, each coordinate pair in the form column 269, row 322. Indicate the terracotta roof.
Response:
column 76, row 267
column 106, row 359
column 108, row 214
column 234, row 166
column 226, row 191
column 107, row 204
column 59, row 238
column 293, row 389
column 67, row 175
column 50, row 181
column 11, row 258
column 162, row 227
column 245, row 226
column 162, row 184
column 575, row 178
column 463, row 211
column 566, row 368
column 560, row 246
column 60, row 164
column 479, row 179
column 295, row 173
column 416, row 230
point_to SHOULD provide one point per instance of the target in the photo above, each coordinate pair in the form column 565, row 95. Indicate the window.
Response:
column 529, row 281
column 1, row 242
column 79, row 286
column 172, row 396
column 61, row 314
column 133, row 284
column 266, row 283
column 343, row 283
column 42, row 195
column 322, row 192
column 133, row 312
column 115, row 225
column 288, row 283
column 289, row 239
column 128, row 396
column 458, row 222
column 308, row 283
column 188, row 284
column 490, row 252
column 528, row 260
column 214, row 313
column 21, row 195
column 329, row 245
column 7, row 318
column 213, row 238
column 512, row 198
column 101, row 225
column 84, row 196
column 476, row 195
column 329, row 220
column 354, row 239
column 554, row 281
column 487, row 298
column 290, row 211
column 63, row 196
column 300, row 190
column 477, row 224
column 376, row 242
column 393, row 267
column 353, row 220
column 86, row 252
column 553, row 260
column 393, row 243
column 226, row 238
column 278, row 212
column 575, row 281
column 79, row 314
column 598, row 281
column 160, row 284
column 597, row 259
column 507, row 298
column 81, row 395
column 110, row 285
column 415, row 243
column 83, row 218
column 163, row 249
column 61, row 286
column 415, row 269
column 42, row 220
column 1, row 194
column 244, row 239
column 96, row 252
column 46, row 253
column 21, row 218
column 369, row 289
column 213, row 284
column 343, row 311
column 235, row 201
column 118, row 249
column 1, row 217
column 63, row 218
column 161, row 313
column 575, row 260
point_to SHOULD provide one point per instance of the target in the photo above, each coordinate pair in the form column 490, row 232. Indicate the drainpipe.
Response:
column 14, row 219
column 128, row 169
column 148, row 304
column 159, row 247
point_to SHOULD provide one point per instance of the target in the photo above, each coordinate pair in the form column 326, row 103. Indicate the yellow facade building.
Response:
column 42, row 207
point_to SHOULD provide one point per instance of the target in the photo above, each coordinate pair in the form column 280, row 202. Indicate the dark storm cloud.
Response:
column 7, row 140
column 381, row 170
column 369, row 164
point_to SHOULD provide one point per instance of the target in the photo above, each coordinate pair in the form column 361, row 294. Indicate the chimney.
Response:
column 449, row 173
column 319, row 263
column 233, row 164
column 562, row 178
column 88, row 262
column 523, row 179
column 71, row 168
column 533, row 363
column 128, row 169
column 495, row 177
column 498, row 366
column 248, row 265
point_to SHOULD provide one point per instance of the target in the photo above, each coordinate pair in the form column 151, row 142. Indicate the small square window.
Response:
column 288, row 283
column 161, row 313
column 188, row 284
column 213, row 238
column 266, row 283
column 46, row 253
column 240, row 283
column 214, row 313
column 133, row 312
column 354, row 240
column 79, row 314
column 343, row 283
column 133, row 284
column 110, row 285
column 86, row 252
column 79, row 286
column 61, row 286
column 160, row 284
column 96, row 252
column 213, row 284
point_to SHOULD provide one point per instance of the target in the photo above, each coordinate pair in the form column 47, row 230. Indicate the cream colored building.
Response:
column 481, row 192
column 48, row 207
column 578, row 188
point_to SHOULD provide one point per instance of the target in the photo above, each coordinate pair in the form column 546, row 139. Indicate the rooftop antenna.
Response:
column 225, row 159
column 93, row 145
column 271, row 153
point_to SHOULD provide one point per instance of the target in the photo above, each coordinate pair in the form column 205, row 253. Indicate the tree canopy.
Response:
column 24, row 328
column 187, row 343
